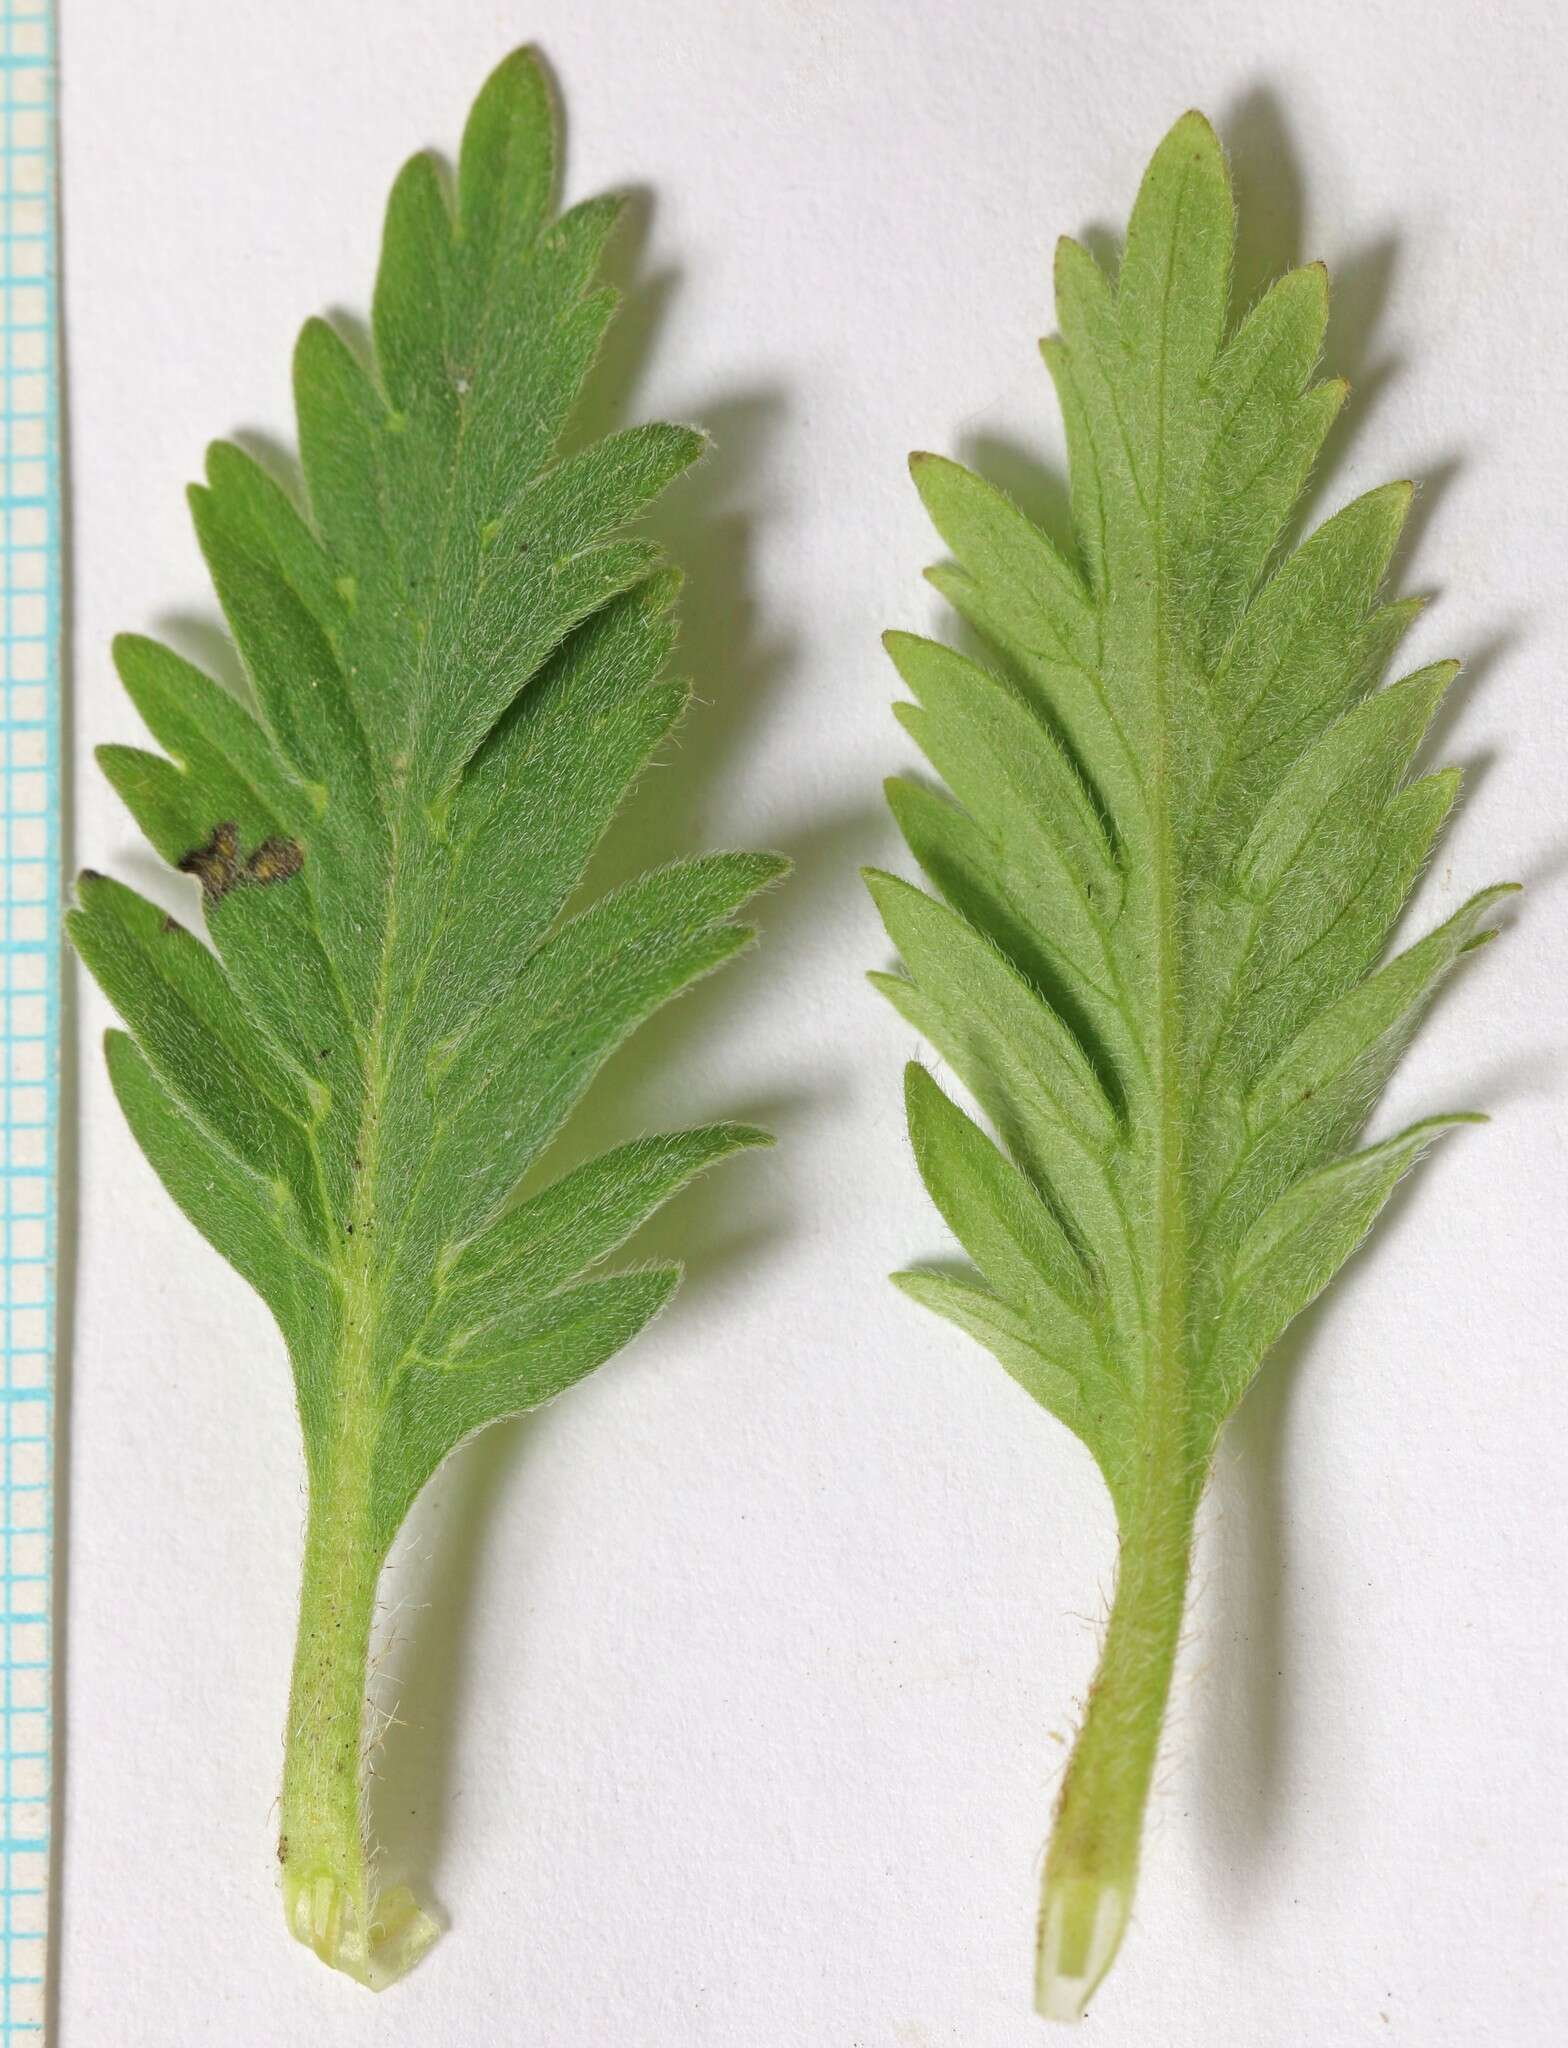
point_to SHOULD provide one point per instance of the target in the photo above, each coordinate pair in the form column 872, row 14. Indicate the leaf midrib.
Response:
column 1169, row 1401
column 356, row 1269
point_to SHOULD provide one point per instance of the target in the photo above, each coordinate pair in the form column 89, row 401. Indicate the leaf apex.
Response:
column 1195, row 121
column 1440, row 1121
column 1482, row 904
column 523, row 77
column 128, row 646
column 748, row 1137
column 697, row 440
column 770, row 869
column 217, row 456
column 1192, row 131
column 662, row 587
column 1313, row 277
column 523, row 60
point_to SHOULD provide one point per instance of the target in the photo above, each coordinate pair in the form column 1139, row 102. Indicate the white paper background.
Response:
column 740, row 1678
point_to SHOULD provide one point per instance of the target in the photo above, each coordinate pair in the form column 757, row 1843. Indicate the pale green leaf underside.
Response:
column 455, row 658
column 1183, row 825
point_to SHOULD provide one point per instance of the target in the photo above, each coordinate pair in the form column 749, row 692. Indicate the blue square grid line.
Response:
column 29, row 988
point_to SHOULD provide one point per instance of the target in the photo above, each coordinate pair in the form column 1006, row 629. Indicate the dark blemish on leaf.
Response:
column 170, row 924
column 274, row 861
column 215, row 865
column 283, row 1848
column 90, row 875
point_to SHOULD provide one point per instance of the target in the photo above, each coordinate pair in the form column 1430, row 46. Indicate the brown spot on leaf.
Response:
column 215, row 865
column 218, row 867
column 275, row 860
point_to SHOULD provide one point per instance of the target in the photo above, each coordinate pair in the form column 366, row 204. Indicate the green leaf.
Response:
column 253, row 1222
column 1096, row 1416
column 1296, row 1247
column 529, row 1357
column 554, row 1236
column 1181, row 827
column 1366, row 1030
column 194, row 1032
column 1004, row 1224
column 1350, row 773
column 453, row 655
column 991, row 1015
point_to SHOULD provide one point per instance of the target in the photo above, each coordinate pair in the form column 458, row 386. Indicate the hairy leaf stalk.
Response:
column 330, row 1897
column 329, row 1894
column 1091, row 1868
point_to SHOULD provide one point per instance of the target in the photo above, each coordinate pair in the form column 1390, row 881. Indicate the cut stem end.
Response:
column 374, row 1945
column 1082, row 1921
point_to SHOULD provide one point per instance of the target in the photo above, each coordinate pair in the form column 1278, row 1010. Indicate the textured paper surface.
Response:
column 743, row 1673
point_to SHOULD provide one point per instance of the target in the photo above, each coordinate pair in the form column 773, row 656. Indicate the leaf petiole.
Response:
column 1091, row 1869
column 329, row 1897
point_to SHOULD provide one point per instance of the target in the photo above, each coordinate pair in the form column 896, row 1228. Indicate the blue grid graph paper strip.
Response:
column 29, row 986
